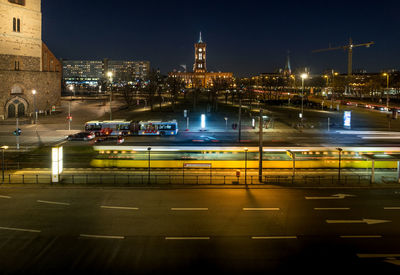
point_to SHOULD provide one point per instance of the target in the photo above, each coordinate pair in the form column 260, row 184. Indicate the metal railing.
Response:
column 187, row 179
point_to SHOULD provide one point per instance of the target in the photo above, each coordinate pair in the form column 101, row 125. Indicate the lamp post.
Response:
column 110, row 75
column 71, row 88
column 2, row 163
column 340, row 161
column 245, row 165
column 34, row 105
column 148, row 178
column 303, row 77
column 387, row 87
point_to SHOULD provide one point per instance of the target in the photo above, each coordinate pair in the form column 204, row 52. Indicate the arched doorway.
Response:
column 11, row 111
column 21, row 109
column 16, row 107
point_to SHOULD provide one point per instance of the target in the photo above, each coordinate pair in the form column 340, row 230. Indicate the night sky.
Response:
column 243, row 37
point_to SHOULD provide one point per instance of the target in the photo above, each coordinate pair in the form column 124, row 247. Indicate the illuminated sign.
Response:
column 347, row 119
column 203, row 121
column 57, row 163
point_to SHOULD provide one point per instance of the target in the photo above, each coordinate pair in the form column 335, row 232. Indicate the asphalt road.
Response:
column 197, row 231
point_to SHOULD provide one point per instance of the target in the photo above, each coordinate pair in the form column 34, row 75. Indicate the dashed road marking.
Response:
column 20, row 229
column 261, row 209
column 361, row 236
column 54, row 202
column 102, row 237
column 189, row 209
column 119, row 207
column 275, row 238
column 186, row 238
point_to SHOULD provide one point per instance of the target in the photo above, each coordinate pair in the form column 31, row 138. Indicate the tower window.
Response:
column 16, row 24
column 200, row 56
column 18, row 2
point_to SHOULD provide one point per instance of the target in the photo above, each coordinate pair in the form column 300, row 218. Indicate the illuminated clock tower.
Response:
column 200, row 57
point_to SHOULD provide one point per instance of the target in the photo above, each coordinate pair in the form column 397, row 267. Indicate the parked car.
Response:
column 82, row 136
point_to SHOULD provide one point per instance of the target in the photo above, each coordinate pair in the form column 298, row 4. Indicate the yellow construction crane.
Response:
column 349, row 48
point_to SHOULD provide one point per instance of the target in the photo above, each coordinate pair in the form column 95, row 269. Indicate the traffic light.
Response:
column 17, row 132
column 69, row 118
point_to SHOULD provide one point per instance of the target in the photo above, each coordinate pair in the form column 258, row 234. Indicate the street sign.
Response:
column 17, row 132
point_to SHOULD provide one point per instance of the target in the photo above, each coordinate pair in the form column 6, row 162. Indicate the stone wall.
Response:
column 19, row 84
column 25, row 63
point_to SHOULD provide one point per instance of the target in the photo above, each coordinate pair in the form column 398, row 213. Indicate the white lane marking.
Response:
column 365, row 256
column 367, row 221
column 361, row 236
column 53, row 202
column 102, row 237
column 189, row 209
column 333, row 197
column 5, row 197
column 186, row 238
column 274, row 238
column 119, row 207
column 333, row 208
column 391, row 208
column 20, row 229
column 261, row 209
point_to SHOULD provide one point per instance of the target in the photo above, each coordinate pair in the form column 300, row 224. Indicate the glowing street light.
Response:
column 387, row 86
column 34, row 105
column 110, row 75
column 303, row 77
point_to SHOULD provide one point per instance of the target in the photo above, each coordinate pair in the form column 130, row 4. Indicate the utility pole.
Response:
column 17, row 136
column 260, row 140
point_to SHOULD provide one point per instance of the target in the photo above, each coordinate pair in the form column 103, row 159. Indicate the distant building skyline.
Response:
column 92, row 72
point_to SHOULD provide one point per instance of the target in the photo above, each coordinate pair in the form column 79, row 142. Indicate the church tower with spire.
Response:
column 200, row 56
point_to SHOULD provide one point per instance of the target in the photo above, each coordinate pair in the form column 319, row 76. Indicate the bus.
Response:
column 158, row 128
column 111, row 127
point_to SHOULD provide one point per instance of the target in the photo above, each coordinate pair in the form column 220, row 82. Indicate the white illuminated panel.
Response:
column 56, row 163
column 203, row 121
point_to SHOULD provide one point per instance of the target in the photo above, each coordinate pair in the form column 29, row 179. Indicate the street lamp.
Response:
column 340, row 160
column 2, row 163
column 303, row 77
column 387, row 87
column 245, row 165
column 71, row 88
column 148, row 178
column 34, row 105
column 110, row 75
